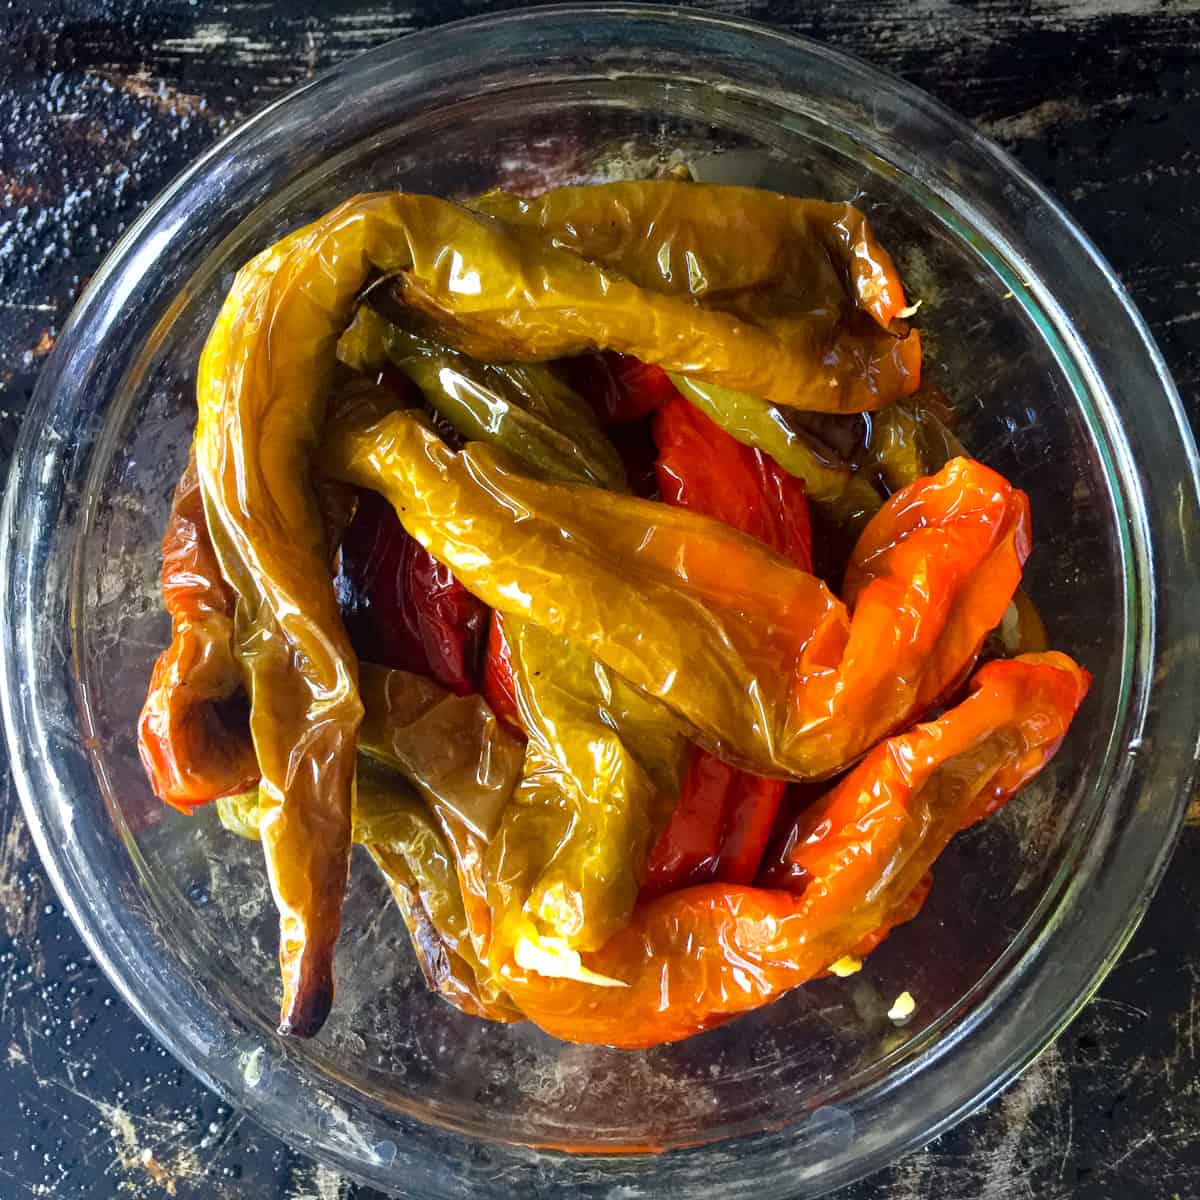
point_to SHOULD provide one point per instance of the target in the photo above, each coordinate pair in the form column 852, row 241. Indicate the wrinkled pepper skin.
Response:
column 569, row 857
column 770, row 670
column 506, row 293
column 600, row 776
column 193, row 734
column 724, row 817
column 407, row 847
column 717, row 830
column 451, row 748
column 910, row 440
column 404, row 609
column 686, row 851
column 809, row 271
column 694, row 958
column 526, row 408
column 499, row 684
column 510, row 293
column 702, row 468
column 633, row 629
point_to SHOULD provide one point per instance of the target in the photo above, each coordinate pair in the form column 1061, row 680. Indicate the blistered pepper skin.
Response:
column 193, row 736
column 769, row 668
column 697, row 957
column 806, row 269
column 724, row 817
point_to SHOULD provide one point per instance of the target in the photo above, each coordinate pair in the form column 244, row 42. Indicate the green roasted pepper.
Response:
column 409, row 850
column 601, row 777
column 602, row 766
column 524, row 407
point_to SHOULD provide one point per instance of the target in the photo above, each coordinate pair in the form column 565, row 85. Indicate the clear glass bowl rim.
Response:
column 966, row 1070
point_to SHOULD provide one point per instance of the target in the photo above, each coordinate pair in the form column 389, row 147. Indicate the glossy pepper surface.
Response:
column 506, row 292
column 758, row 658
column 602, row 762
column 829, row 482
column 697, row 957
column 403, row 608
column 524, row 407
column 724, row 817
column 600, row 776
column 406, row 845
column 499, row 684
column 461, row 760
column 193, row 733
column 807, row 270
column 659, row 672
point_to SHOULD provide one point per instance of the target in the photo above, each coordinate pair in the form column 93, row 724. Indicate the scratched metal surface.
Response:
column 101, row 104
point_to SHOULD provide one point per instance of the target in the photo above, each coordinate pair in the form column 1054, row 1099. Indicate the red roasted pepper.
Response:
column 702, row 468
column 194, row 731
column 499, row 686
column 724, row 817
column 687, row 849
column 620, row 388
column 403, row 609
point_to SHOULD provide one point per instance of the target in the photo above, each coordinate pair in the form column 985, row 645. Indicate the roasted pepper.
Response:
column 760, row 659
column 717, row 830
column 405, row 843
column 625, row 630
column 450, row 747
column 499, row 685
column 526, row 408
column 402, row 607
column 694, row 958
column 193, row 732
column 600, row 776
column 505, row 292
column 807, row 270
column 601, row 768
column 703, row 468
column 910, row 440
column 832, row 484
column 724, row 817
column 621, row 389
column 913, row 439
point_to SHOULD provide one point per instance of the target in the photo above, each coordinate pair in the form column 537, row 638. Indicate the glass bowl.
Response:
column 1060, row 388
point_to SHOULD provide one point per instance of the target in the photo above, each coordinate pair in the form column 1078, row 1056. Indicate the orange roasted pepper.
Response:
column 194, row 732
column 770, row 669
column 694, row 958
